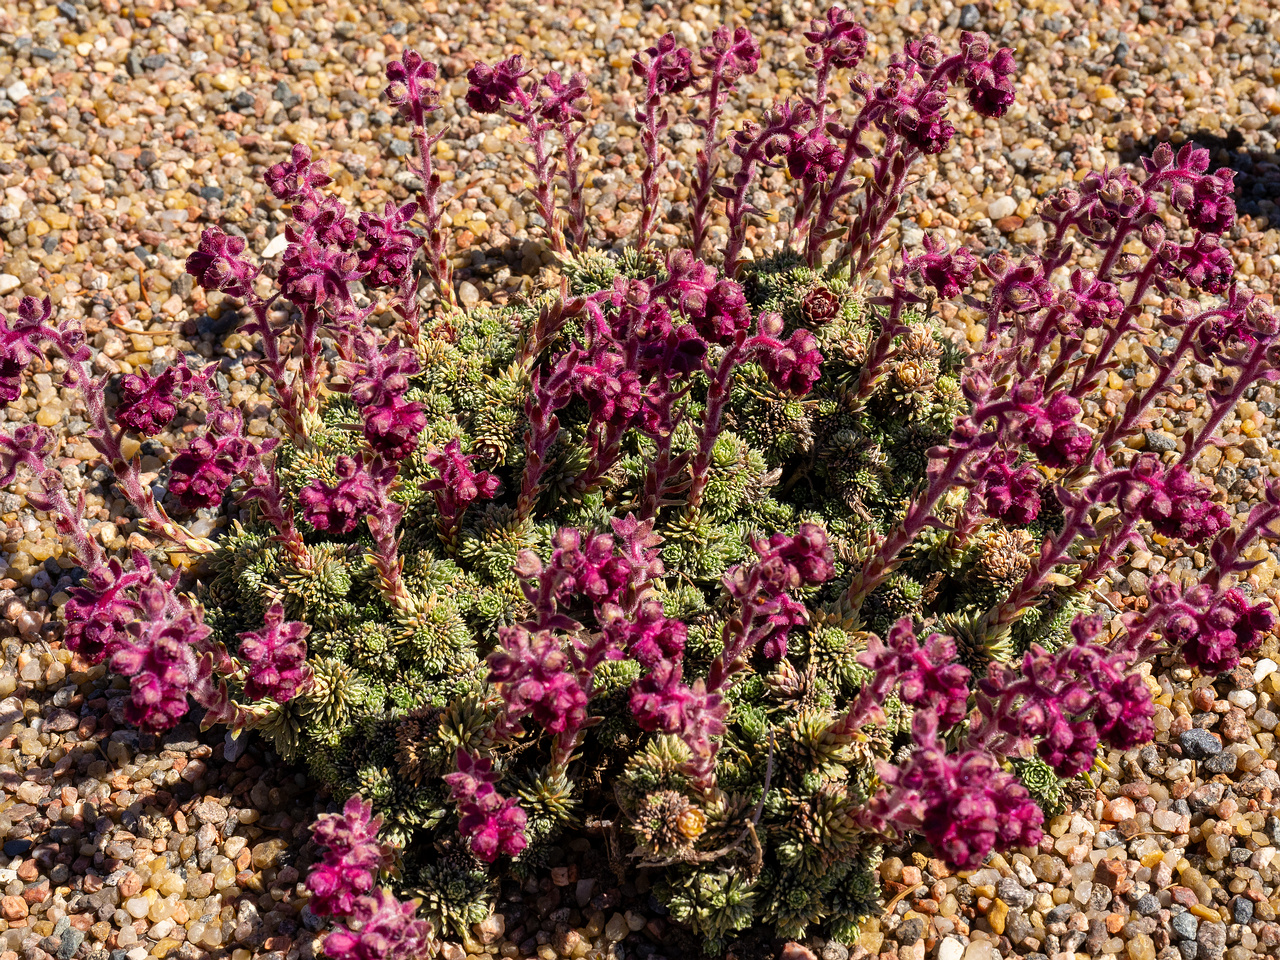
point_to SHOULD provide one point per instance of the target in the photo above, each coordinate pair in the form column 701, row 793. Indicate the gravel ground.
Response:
column 125, row 130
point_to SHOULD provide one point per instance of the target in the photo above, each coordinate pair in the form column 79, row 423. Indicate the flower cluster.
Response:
column 1211, row 631
column 456, row 485
column 495, row 824
column 339, row 507
column 964, row 804
column 1065, row 703
column 148, row 404
column 344, row 885
column 276, row 657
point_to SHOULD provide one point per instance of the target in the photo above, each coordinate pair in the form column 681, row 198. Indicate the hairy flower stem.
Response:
column 384, row 528
column 891, row 327
column 277, row 369
column 438, row 265
column 106, row 439
column 834, row 190
column 918, row 516
column 652, row 160
column 736, row 208
column 1257, row 365
column 575, row 204
column 712, row 419
column 265, row 489
column 882, row 197
column 543, row 166
column 549, row 394
column 707, row 163
column 1056, row 550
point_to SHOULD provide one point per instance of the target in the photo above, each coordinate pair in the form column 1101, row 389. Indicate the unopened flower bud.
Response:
column 771, row 324
column 1153, row 234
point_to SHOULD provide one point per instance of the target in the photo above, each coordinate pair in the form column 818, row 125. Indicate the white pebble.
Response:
column 8, row 283
column 950, row 949
column 1263, row 669
column 275, row 247
column 1001, row 207
column 18, row 91
column 1244, row 699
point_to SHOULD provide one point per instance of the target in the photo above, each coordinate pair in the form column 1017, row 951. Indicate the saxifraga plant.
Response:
column 740, row 553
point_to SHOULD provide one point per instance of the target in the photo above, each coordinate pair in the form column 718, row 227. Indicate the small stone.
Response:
column 616, row 928
column 1198, row 744
column 1160, row 441
column 979, row 950
column 796, row 951
column 1119, row 808
column 490, row 928
column 468, row 295
column 1244, row 699
column 1141, row 948
column 1001, row 207
column 210, row 812
column 13, row 908
column 910, row 931
column 1184, row 925
column 950, row 949
column 9, row 283
column 275, row 246
column 969, row 17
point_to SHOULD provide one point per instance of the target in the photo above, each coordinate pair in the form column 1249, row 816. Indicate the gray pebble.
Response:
column 1198, row 744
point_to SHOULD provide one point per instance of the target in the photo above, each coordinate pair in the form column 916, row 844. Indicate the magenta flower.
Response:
column 160, row 653
column 494, row 87
column 1211, row 631
column 1205, row 264
column 298, row 175
column 340, row 507
column 456, row 485
column 1172, row 500
column 1094, row 303
column 812, row 156
column 218, row 263
column 411, row 85
column 312, row 275
column 390, row 246
column 353, row 858
column 734, row 54
column 387, row 930
column 929, row 676
column 612, row 391
column 560, row 99
column 669, row 68
column 649, row 637
column 964, row 804
column 494, row 824
column 392, row 430
column 202, row 472
column 793, row 366
column 991, row 91
column 20, row 342
column 1067, row 701
column 276, row 656
column 919, row 117
column 147, row 403
column 537, row 678
column 1010, row 493
column 948, row 272
column 99, row 610
column 1053, row 434
column 1208, row 202
column 588, row 567
column 837, row 41
column 391, row 424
